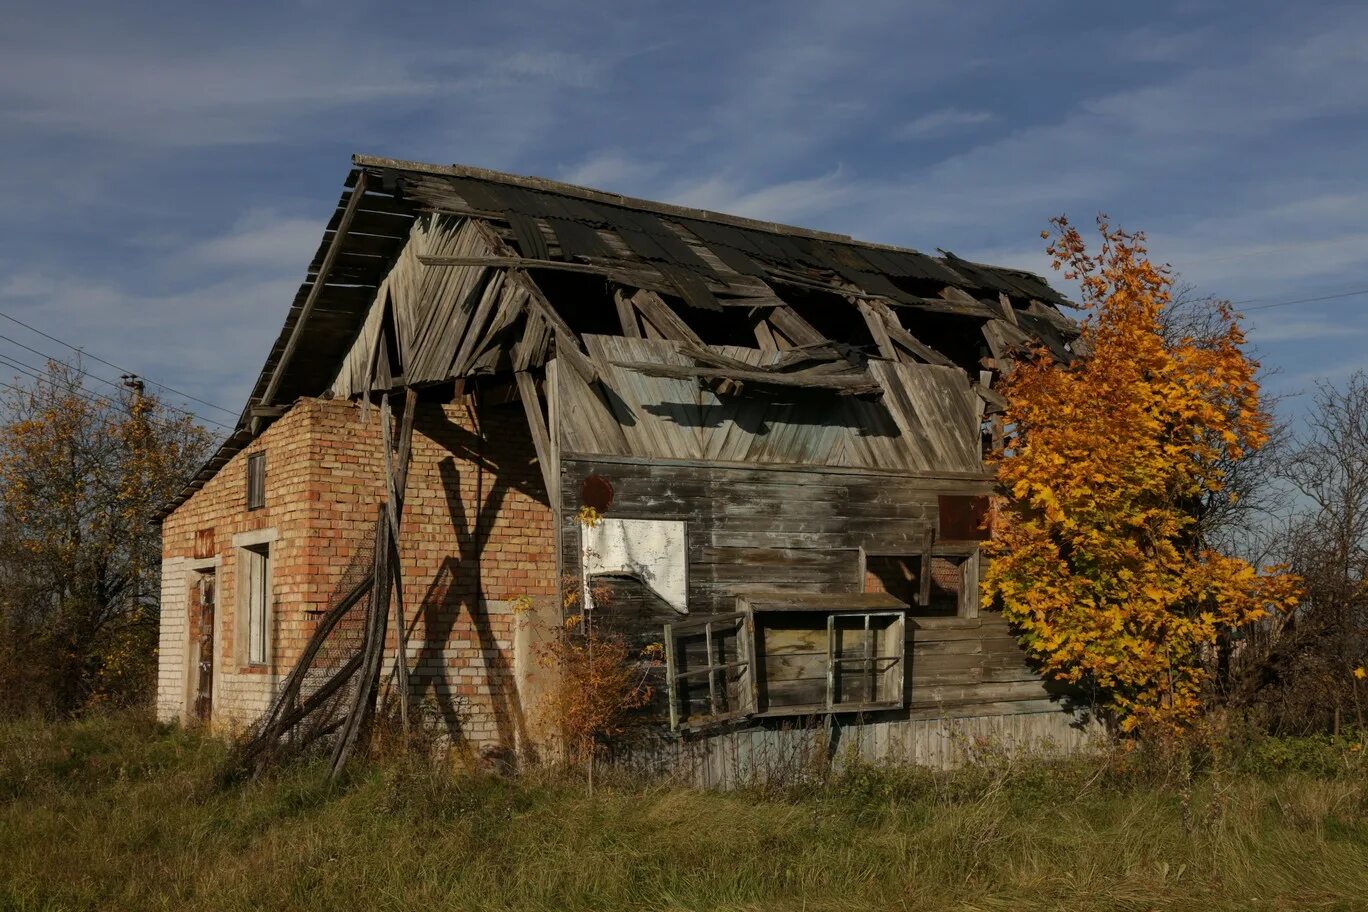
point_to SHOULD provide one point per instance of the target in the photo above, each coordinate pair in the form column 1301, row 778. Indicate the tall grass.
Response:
column 123, row 814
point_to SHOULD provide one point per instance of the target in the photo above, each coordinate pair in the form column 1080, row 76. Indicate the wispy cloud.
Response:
column 944, row 122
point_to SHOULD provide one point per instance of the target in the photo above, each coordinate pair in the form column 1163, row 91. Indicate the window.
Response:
column 899, row 575
column 935, row 584
column 256, row 578
column 256, row 481
column 787, row 654
column 820, row 661
column 952, row 588
column 709, row 669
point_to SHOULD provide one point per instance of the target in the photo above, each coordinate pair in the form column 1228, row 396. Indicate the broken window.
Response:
column 817, row 661
column 708, row 663
column 787, row 655
column 935, row 584
column 256, row 481
column 952, row 588
column 897, row 574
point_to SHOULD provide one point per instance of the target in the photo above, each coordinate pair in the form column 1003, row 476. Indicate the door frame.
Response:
column 193, row 570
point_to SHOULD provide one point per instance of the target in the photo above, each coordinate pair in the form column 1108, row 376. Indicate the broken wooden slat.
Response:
column 663, row 317
column 541, row 439
column 852, row 385
column 532, row 348
column 878, row 329
column 798, row 330
column 627, row 315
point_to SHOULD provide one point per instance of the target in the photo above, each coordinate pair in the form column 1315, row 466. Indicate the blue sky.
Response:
column 167, row 168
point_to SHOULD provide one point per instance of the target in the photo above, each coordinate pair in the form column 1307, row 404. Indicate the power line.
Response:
column 125, row 370
column 1331, row 297
column 93, row 398
column 98, row 399
column 36, row 374
column 86, row 373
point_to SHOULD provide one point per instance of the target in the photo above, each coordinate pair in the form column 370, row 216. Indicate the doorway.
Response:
column 201, row 617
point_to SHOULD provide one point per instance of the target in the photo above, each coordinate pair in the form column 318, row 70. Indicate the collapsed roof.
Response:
column 819, row 302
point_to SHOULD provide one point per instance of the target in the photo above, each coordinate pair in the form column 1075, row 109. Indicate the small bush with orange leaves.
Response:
column 599, row 683
column 1096, row 560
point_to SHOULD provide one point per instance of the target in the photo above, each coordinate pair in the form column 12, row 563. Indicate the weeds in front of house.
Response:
column 121, row 813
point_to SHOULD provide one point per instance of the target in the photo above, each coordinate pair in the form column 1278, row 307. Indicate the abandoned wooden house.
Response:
column 497, row 401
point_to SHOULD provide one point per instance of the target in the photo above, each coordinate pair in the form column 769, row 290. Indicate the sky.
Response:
column 167, row 169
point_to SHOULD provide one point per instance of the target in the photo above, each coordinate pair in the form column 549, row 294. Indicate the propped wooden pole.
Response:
column 385, row 574
column 398, row 482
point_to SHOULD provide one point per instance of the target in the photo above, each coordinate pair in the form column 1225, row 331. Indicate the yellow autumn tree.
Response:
column 81, row 478
column 1097, row 560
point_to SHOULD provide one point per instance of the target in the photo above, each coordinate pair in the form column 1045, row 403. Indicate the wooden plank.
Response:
column 845, row 384
column 627, row 315
column 532, row 348
column 854, row 601
column 799, row 331
column 541, row 439
column 878, row 329
column 663, row 317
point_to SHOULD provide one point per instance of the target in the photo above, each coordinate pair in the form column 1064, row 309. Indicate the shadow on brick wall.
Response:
column 459, row 586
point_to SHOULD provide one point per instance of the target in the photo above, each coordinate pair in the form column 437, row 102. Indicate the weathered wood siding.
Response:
column 926, row 421
column 799, row 749
column 764, row 529
column 779, row 529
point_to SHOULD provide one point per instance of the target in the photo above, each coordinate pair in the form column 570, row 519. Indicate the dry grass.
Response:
column 122, row 814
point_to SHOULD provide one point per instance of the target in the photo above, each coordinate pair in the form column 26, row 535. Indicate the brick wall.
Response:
column 477, row 534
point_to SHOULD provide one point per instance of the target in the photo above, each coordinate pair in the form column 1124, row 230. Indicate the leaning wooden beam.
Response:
column 899, row 334
column 860, row 384
column 285, row 712
column 877, row 328
column 541, row 439
column 567, row 341
column 627, row 315
column 670, row 324
column 397, row 482
column 334, row 247
column 372, row 645
column 794, row 328
column 386, row 550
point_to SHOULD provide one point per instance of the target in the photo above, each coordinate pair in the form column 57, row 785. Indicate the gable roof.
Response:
column 700, row 256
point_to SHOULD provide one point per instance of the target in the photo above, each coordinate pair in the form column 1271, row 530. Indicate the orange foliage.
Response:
column 1096, row 561
column 81, row 476
column 598, row 685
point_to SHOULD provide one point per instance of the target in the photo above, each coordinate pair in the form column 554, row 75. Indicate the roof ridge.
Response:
column 616, row 199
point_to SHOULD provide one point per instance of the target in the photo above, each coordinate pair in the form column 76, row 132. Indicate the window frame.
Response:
column 256, row 602
column 256, row 480
column 742, row 623
column 969, row 577
column 749, row 624
column 969, row 573
column 830, row 704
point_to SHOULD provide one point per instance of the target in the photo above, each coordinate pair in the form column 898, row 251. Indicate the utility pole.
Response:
column 134, row 383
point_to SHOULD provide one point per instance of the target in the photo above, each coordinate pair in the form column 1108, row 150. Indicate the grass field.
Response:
column 123, row 814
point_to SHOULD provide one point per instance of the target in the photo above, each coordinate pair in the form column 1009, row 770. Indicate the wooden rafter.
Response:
column 353, row 203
